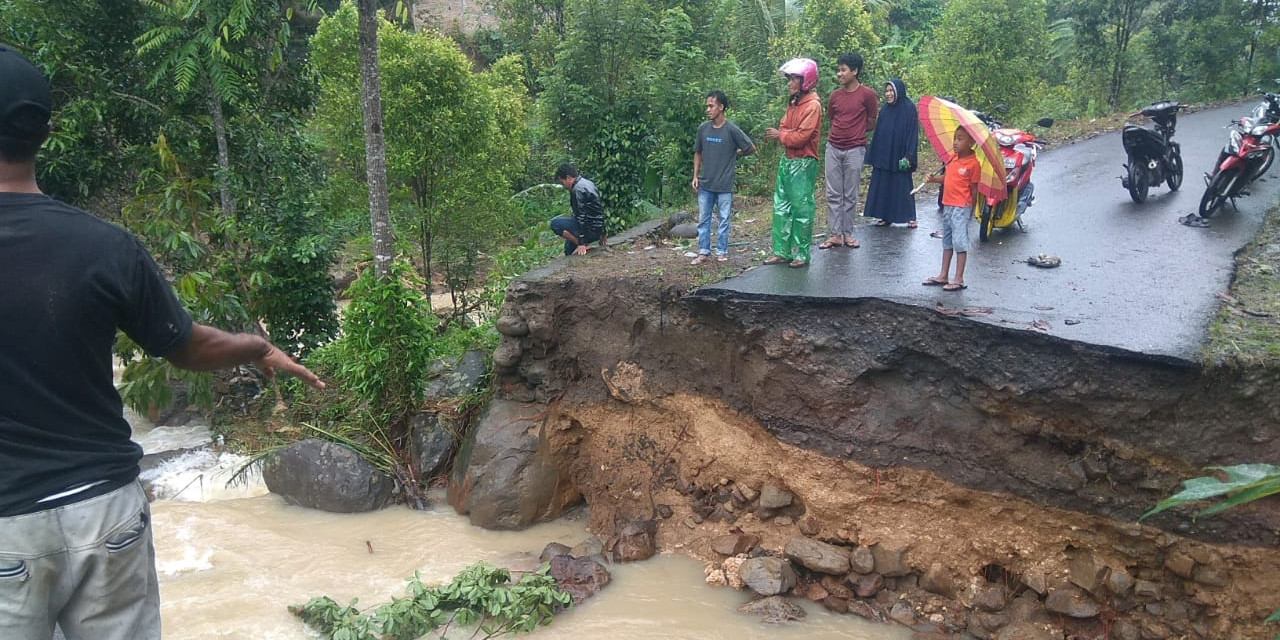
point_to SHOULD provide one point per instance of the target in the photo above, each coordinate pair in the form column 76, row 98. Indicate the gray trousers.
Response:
column 843, row 173
column 89, row 567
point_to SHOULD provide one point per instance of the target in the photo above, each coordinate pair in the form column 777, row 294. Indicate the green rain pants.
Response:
column 794, row 207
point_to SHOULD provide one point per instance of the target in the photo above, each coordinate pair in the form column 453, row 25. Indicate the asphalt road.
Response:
column 1131, row 276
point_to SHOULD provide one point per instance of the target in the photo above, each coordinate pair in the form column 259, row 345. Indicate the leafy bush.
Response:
column 479, row 596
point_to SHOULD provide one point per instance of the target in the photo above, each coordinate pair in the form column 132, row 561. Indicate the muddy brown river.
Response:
column 232, row 559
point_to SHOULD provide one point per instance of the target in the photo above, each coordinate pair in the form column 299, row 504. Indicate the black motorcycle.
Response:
column 1153, row 155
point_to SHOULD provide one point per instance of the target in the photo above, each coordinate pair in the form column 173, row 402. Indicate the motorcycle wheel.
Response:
column 1174, row 179
column 1214, row 194
column 986, row 222
column 1266, row 164
column 1138, row 186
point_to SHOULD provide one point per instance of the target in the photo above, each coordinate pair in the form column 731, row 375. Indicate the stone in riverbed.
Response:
column 773, row 610
column 768, row 576
column 772, row 497
column 817, row 556
column 732, row 544
column 330, row 477
column 634, row 543
column 581, row 578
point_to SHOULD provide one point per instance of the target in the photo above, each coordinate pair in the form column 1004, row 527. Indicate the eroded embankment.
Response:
column 986, row 454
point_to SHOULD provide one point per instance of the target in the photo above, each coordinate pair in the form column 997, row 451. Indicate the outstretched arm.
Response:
column 209, row 348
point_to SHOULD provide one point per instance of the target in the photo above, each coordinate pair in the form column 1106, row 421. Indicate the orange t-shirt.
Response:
column 962, row 175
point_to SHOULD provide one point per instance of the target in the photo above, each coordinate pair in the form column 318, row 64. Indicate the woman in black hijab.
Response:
column 892, row 156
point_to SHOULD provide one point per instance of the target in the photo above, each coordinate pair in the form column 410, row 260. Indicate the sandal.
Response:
column 955, row 286
column 935, row 234
column 912, row 224
column 851, row 243
column 798, row 264
column 831, row 242
column 882, row 223
column 775, row 260
column 701, row 259
column 935, row 282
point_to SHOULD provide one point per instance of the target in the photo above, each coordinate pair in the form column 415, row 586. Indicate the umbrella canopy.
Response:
column 940, row 120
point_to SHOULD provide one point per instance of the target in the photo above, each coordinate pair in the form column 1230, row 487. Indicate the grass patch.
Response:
column 1246, row 331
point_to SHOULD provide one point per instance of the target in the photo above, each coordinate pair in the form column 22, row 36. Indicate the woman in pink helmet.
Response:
column 793, row 201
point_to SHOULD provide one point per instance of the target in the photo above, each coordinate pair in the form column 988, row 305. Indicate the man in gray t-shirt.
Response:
column 715, row 158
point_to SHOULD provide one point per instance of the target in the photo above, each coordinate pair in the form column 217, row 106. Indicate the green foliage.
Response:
column 1244, row 483
column 1003, row 69
column 386, row 346
column 454, row 139
column 480, row 596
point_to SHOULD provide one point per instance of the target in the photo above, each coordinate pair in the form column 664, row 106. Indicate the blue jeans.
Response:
column 567, row 223
column 724, row 202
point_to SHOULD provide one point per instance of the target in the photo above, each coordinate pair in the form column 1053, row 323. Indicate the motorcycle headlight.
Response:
column 1233, row 142
column 1005, row 139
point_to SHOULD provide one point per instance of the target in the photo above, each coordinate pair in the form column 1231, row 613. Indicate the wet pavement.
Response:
column 1131, row 276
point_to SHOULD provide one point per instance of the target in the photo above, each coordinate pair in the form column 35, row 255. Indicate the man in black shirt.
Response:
column 75, row 541
column 587, row 224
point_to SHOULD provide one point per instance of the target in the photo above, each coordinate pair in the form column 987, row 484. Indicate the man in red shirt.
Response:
column 852, row 108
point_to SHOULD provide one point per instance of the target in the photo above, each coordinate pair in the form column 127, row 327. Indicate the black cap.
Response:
column 25, row 99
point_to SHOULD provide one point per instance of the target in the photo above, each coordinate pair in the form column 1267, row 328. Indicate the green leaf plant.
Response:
column 1244, row 483
column 480, row 597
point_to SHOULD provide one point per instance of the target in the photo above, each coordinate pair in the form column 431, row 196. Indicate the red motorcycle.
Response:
column 1019, row 149
column 1247, row 155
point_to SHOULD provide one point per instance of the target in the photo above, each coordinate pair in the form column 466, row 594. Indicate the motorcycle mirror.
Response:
column 1045, row 122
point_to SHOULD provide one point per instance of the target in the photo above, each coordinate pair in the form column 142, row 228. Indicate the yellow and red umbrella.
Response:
column 941, row 119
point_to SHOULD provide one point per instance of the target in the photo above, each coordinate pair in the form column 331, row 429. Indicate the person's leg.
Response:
column 834, row 174
column 32, row 561
column 803, row 207
column 706, row 200
column 853, row 161
column 724, row 205
column 958, row 218
column 110, row 582
column 961, row 256
column 781, row 216
column 562, row 224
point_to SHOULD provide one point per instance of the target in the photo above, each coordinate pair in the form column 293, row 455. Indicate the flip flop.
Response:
column 882, row 223
column 775, row 260
column 852, row 244
column 934, row 282
column 954, row 286
column 798, row 264
column 935, row 234
column 829, row 244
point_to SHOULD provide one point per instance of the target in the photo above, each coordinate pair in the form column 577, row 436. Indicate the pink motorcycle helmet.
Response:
column 805, row 68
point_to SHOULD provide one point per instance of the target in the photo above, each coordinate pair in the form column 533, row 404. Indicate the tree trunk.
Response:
column 375, row 145
column 224, row 155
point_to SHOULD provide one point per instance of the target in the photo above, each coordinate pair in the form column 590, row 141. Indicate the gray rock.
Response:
column 679, row 217
column 861, row 560
column 508, row 353
column 330, row 477
column 581, row 578
column 1119, row 582
column 510, row 324
column 817, row 556
column 890, row 561
column 466, row 376
column 1027, row 631
column 431, row 439
column 984, row 625
column 1181, row 564
column 592, row 546
column 990, row 597
column 866, row 611
column 1087, row 572
column 902, row 613
column 684, row 230
column 772, row 497
column 504, row 477
column 552, row 550
column 1146, row 589
column 1073, row 602
column 1211, row 576
column 773, row 610
column 768, row 576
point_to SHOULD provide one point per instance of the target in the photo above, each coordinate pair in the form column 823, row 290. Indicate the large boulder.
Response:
column 432, row 437
column 581, row 578
column 817, row 556
column 767, row 575
column 458, row 379
column 504, row 476
column 323, row 475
